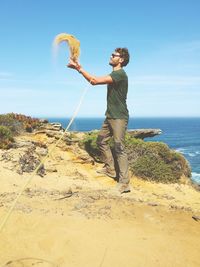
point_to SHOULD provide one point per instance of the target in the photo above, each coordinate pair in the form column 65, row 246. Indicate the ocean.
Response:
column 181, row 134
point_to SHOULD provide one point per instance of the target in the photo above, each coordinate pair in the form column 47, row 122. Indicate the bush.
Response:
column 29, row 124
column 156, row 161
column 13, row 124
column 149, row 160
column 90, row 145
column 18, row 123
column 6, row 137
column 151, row 168
column 10, row 122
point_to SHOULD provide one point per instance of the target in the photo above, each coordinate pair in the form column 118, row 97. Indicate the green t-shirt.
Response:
column 116, row 96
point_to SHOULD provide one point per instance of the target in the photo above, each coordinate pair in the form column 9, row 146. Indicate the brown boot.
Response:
column 124, row 188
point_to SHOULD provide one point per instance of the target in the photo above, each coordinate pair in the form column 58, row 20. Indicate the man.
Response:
column 117, row 116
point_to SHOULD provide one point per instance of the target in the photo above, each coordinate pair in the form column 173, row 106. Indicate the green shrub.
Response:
column 13, row 124
column 151, row 168
column 18, row 123
column 6, row 137
column 90, row 145
column 10, row 122
column 149, row 160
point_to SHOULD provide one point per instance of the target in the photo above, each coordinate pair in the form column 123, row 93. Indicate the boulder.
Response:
column 54, row 126
column 144, row 133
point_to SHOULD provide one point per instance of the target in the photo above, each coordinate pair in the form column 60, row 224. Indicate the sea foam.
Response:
column 196, row 177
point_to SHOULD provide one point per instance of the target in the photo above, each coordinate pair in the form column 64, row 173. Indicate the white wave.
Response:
column 181, row 150
column 196, row 177
column 188, row 152
column 191, row 154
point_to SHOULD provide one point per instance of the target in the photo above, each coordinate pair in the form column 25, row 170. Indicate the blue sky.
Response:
column 163, row 38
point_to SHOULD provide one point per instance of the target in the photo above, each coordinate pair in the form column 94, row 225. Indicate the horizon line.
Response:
column 131, row 117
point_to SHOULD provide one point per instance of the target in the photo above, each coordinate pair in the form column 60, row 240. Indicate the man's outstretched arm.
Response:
column 90, row 78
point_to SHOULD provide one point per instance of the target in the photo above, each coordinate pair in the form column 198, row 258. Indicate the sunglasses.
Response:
column 114, row 55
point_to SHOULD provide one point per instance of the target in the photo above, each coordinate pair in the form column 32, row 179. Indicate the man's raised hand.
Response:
column 73, row 64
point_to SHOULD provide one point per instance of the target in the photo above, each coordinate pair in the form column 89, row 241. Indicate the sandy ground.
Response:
column 75, row 217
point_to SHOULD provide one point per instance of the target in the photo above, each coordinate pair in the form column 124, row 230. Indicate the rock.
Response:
column 153, row 204
column 196, row 218
column 54, row 126
column 144, row 133
column 137, row 133
column 29, row 161
column 22, row 143
column 25, row 157
column 85, row 158
column 55, row 134
column 41, row 151
column 175, row 207
column 59, row 135
column 28, row 262
column 51, row 169
column 43, row 120
column 96, row 197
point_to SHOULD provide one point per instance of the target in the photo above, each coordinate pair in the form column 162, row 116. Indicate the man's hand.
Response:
column 74, row 65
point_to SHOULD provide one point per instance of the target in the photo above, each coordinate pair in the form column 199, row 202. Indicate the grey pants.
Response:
column 117, row 129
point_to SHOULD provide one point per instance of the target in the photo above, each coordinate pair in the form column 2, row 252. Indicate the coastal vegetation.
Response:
column 153, row 161
column 12, row 124
column 6, row 137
